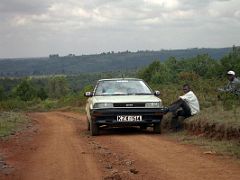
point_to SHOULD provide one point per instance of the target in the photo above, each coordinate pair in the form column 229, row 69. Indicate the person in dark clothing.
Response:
column 233, row 85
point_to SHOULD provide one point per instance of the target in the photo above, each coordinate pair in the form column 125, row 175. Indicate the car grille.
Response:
column 129, row 105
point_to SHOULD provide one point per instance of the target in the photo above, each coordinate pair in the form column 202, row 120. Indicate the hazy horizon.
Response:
column 47, row 56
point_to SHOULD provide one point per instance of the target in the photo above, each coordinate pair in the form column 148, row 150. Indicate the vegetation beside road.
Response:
column 210, row 146
column 11, row 122
column 217, row 123
column 219, row 118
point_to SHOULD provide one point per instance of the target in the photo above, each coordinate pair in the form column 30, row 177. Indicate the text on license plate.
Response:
column 129, row 118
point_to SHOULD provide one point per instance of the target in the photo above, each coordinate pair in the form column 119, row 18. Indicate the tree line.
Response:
column 68, row 90
column 111, row 61
column 201, row 66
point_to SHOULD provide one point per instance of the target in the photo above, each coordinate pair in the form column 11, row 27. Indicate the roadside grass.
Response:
column 210, row 146
column 217, row 128
column 220, row 113
column 11, row 122
column 75, row 104
column 77, row 109
column 216, row 122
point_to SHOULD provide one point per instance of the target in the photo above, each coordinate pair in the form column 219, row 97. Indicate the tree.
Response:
column 156, row 72
column 231, row 61
column 42, row 94
column 25, row 90
column 148, row 72
column 58, row 87
column 1, row 93
column 204, row 66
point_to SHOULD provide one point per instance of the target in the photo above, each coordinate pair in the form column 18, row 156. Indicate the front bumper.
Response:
column 109, row 116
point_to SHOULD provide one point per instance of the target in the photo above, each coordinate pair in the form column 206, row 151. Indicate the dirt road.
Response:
column 58, row 146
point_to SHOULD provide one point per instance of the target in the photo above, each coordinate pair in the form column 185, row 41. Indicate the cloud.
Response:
column 170, row 4
column 23, row 6
column 95, row 25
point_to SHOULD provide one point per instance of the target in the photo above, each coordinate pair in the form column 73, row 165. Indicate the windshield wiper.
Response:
column 119, row 94
column 142, row 94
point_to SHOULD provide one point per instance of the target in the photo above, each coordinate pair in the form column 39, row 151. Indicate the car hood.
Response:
column 126, row 99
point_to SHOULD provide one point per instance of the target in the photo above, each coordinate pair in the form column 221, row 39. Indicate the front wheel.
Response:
column 88, row 125
column 94, row 129
column 157, row 128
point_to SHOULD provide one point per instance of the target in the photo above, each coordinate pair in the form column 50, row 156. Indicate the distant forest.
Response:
column 104, row 62
column 44, row 92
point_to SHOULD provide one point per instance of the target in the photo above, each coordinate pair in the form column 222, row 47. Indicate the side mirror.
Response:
column 157, row 93
column 88, row 94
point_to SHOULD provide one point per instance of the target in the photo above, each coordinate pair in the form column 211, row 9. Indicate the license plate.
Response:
column 129, row 118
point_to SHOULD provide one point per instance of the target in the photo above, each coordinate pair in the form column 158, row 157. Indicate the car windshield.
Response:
column 122, row 87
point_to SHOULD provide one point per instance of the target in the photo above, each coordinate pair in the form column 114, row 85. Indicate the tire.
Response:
column 94, row 129
column 88, row 125
column 157, row 128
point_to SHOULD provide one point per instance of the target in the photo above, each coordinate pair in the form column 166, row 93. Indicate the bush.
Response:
column 13, row 105
column 25, row 91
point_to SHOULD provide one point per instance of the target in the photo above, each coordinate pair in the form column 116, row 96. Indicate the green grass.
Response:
column 215, row 129
column 216, row 122
column 11, row 122
column 223, row 147
column 218, row 115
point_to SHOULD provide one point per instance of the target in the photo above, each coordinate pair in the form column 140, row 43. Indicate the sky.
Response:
column 38, row 28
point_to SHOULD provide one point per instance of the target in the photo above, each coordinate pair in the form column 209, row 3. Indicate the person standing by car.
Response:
column 187, row 105
column 233, row 85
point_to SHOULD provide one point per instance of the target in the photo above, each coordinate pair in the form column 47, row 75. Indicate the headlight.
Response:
column 152, row 105
column 102, row 105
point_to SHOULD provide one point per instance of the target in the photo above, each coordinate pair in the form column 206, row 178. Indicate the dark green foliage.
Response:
column 203, row 66
column 57, row 87
column 190, row 70
column 42, row 94
column 231, row 61
column 13, row 104
column 156, row 72
column 1, row 93
column 25, row 91
column 204, row 74
column 48, row 92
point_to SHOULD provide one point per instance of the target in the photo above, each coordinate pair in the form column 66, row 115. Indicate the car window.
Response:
column 121, row 87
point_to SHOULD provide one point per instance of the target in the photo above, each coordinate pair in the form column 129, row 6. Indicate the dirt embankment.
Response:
column 58, row 146
column 213, row 130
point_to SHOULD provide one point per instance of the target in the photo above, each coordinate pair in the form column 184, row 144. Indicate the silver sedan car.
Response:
column 123, row 102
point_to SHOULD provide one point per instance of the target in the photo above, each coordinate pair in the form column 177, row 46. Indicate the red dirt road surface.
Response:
column 57, row 146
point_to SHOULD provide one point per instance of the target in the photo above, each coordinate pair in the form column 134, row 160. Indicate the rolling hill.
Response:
column 105, row 62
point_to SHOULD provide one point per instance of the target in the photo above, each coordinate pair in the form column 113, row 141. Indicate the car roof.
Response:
column 120, row 79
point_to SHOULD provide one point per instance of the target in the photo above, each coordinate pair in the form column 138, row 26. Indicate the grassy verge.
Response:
column 216, row 122
column 216, row 130
column 11, row 122
column 210, row 146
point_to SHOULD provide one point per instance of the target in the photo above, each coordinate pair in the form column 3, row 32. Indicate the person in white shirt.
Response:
column 187, row 105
